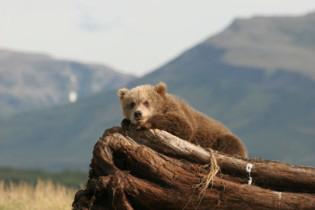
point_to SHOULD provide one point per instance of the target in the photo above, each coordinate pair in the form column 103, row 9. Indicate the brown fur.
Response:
column 166, row 112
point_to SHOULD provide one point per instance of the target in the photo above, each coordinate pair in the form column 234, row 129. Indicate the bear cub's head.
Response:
column 140, row 103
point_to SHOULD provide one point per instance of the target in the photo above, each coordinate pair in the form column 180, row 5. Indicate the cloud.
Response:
column 91, row 24
column 98, row 16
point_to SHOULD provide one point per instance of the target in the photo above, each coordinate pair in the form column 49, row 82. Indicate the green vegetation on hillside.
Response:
column 67, row 178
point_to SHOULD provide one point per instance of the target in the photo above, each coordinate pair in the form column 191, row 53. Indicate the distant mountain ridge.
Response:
column 273, row 111
column 30, row 81
column 270, row 43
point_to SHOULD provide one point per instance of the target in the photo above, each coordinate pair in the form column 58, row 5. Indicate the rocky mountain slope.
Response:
column 32, row 81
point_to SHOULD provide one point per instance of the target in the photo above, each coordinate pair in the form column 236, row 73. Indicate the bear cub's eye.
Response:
column 132, row 105
column 146, row 103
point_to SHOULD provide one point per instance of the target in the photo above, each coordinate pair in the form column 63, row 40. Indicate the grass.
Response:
column 44, row 195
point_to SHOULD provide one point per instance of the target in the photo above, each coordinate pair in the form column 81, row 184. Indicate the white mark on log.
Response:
column 279, row 198
column 280, row 195
column 249, row 167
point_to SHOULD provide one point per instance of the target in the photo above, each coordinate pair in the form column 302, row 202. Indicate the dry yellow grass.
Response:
column 43, row 196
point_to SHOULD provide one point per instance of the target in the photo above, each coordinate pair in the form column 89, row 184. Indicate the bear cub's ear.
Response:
column 160, row 88
column 121, row 92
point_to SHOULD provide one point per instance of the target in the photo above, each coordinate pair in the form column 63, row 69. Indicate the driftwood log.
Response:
column 152, row 169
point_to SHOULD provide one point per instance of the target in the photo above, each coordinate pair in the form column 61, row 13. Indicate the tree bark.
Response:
column 269, row 174
column 152, row 169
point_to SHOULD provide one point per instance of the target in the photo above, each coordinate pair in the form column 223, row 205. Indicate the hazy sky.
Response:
column 131, row 35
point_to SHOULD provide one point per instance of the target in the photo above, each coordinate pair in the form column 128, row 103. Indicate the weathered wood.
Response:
column 152, row 169
column 222, row 196
column 270, row 174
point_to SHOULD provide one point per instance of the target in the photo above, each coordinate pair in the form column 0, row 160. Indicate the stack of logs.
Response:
column 152, row 169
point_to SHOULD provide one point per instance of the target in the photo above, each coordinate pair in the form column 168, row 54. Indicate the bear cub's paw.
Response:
column 127, row 125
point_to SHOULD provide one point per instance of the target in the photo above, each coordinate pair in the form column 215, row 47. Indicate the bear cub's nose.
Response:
column 138, row 114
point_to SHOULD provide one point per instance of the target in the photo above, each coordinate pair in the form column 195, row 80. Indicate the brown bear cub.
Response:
column 148, row 106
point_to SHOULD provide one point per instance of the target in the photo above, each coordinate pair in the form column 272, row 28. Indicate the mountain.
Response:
column 271, row 109
column 270, row 43
column 35, row 81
